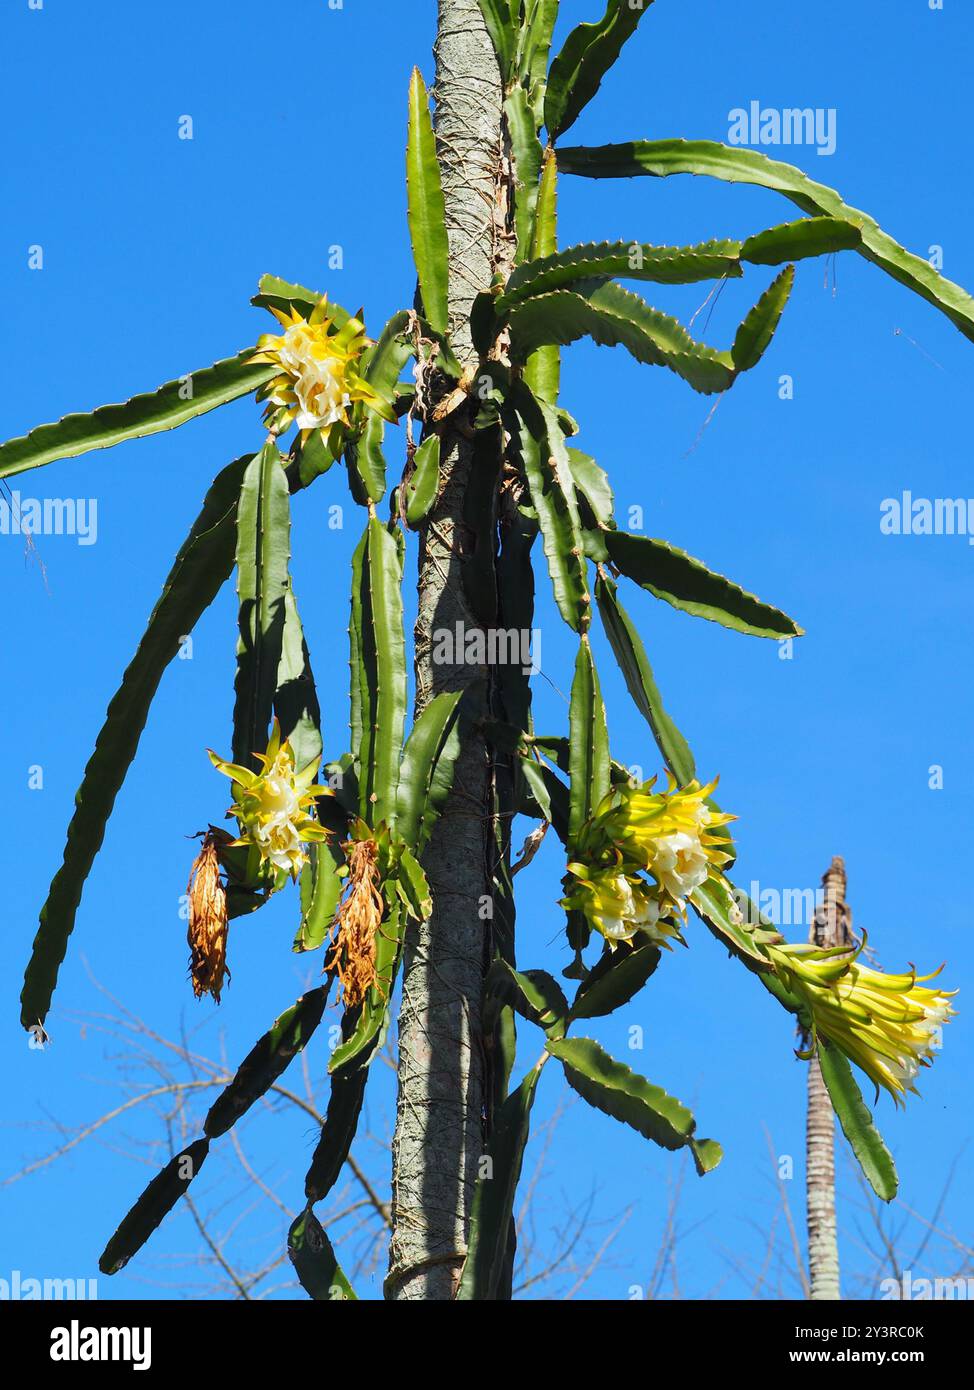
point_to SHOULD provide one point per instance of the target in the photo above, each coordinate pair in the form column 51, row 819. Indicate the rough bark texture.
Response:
column 830, row 928
column 439, row 1129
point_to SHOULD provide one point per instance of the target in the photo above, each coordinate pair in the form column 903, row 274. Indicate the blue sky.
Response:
column 152, row 246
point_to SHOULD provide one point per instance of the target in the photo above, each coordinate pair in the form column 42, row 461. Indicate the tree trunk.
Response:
column 439, row 1134
column 830, row 928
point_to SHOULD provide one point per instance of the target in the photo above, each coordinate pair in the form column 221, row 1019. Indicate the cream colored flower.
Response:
column 321, row 394
column 320, row 381
column 669, row 835
column 680, row 863
column 618, row 905
column 272, row 806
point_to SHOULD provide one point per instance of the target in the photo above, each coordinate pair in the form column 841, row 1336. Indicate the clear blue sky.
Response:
column 152, row 246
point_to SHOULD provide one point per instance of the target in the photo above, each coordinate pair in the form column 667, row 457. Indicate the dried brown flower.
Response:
column 207, row 933
column 357, row 923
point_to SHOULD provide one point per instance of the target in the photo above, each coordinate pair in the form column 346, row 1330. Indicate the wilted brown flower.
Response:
column 207, row 933
column 359, row 918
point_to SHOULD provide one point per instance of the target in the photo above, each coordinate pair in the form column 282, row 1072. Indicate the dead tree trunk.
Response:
column 831, row 927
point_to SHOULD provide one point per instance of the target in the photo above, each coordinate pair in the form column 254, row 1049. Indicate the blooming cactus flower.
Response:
column 667, row 835
column 889, row 1025
column 319, row 381
column 272, row 806
column 618, row 905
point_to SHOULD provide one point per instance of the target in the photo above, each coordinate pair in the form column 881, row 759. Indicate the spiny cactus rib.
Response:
column 164, row 409
column 263, row 583
column 203, row 564
column 426, row 207
column 661, row 158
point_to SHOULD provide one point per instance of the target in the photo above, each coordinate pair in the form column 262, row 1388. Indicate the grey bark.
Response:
column 439, row 1134
column 831, row 927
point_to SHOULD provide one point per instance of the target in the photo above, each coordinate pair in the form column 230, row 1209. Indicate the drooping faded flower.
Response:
column 889, row 1025
column 272, row 806
column 619, row 905
column 319, row 380
column 207, row 932
column 359, row 918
